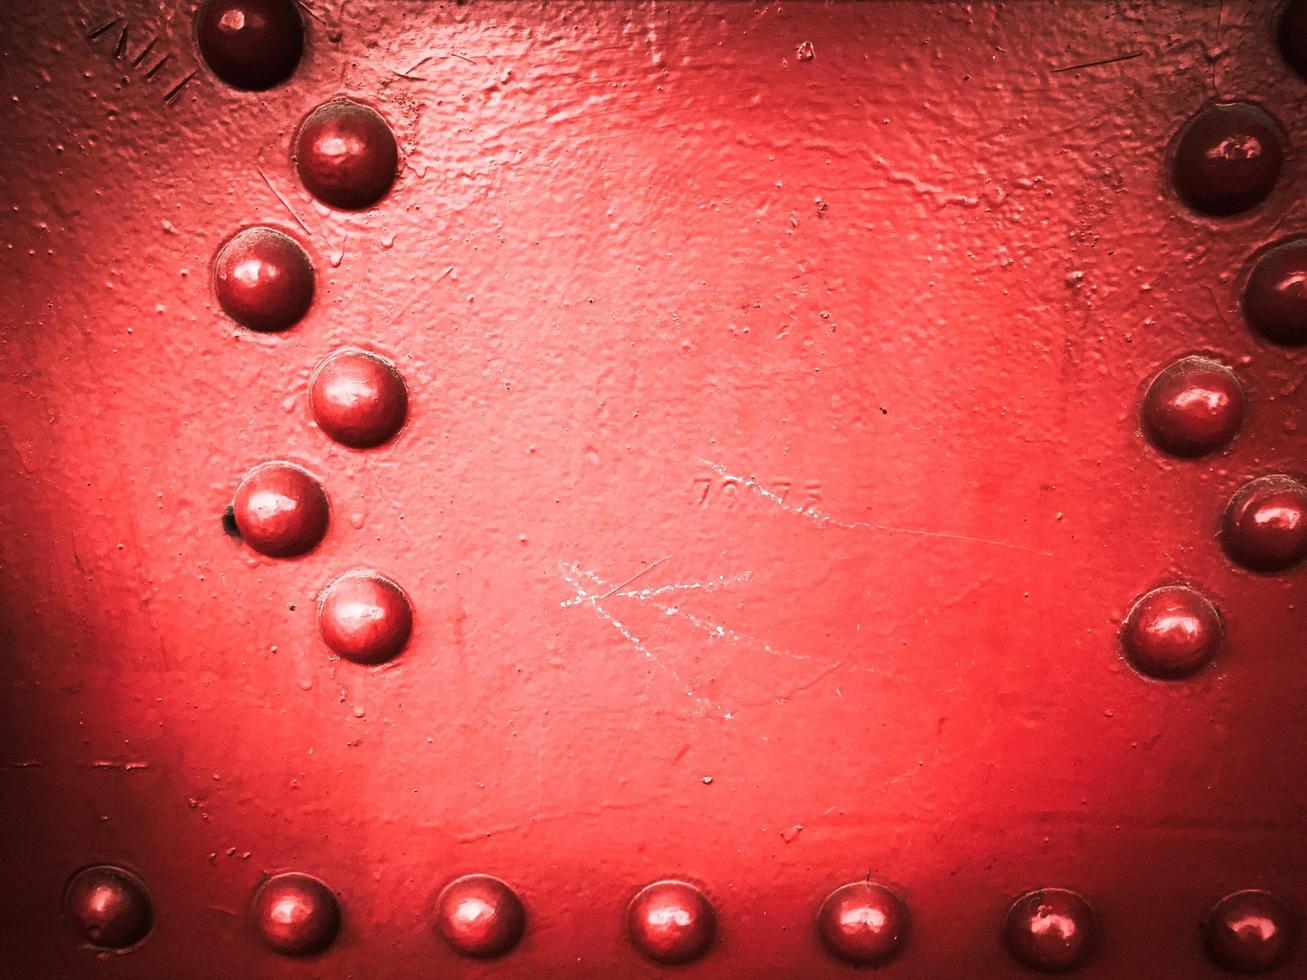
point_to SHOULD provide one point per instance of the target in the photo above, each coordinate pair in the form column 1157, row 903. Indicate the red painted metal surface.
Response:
column 771, row 487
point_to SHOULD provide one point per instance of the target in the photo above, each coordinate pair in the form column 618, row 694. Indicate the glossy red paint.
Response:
column 1171, row 632
column 109, row 906
column 358, row 398
column 1051, row 930
column 345, row 155
column 1265, row 526
column 671, row 922
column 1228, row 159
column 1275, row 299
column 251, row 44
column 479, row 915
column 1193, row 407
column 280, row 509
column 263, row 279
column 1250, row 932
column 295, row 914
column 365, row 617
column 863, row 923
column 770, row 500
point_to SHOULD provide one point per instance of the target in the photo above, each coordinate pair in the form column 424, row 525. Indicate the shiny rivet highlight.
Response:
column 365, row 617
column 295, row 914
column 1171, row 632
column 264, row 280
column 280, row 510
column 1050, row 929
column 1228, row 159
column 250, row 44
column 863, row 923
column 479, row 915
column 1193, row 407
column 346, row 155
column 1275, row 297
column 671, row 922
column 1265, row 527
column 358, row 398
column 1249, row 932
column 109, row 906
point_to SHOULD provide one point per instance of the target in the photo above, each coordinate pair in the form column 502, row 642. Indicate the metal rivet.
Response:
column 1265, row 527
column 109, row 906
column 263, row 279
column 1228, row 159
column 1293, row 36
column 1050, row 929
column 1171, row 632
column 1193, row 407
column 358, row 398
column 671, row 922
column 365, row 617
column 346, row 155
column 863, row 923
column 250, row 44
column 1249, row 932
column 280, row 510
column 1275, row 297
column 479, row 916
column 295, row 914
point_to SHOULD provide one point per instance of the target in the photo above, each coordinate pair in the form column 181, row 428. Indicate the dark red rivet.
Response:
column 1275, row 298
column 1293, row 36
column 346, row 155
column 1249, row 932
column 1228, row 158
column 1171, row 632
column 863, row 923
column 280, row 510
column 109, row 906
column 263, row 279
column 358, row 398
column 1265, row 526
column 1050, row 929
column 295, row 914
column 1193, row 407
column 479, row 916
column 365, row 617
column 671, row 922
column 250, row 44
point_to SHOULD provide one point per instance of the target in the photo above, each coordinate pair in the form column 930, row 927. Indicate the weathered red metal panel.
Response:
column 758, row 456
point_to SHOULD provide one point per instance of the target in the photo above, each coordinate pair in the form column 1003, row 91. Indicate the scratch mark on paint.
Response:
column 284, row 203
column 820, row 517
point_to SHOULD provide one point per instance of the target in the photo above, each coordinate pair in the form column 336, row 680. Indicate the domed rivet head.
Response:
column 479, row 916
column 295, row 914
column 263, row 279
column 1249, row 932
column 671, row 922
column 1275, row 297
column 365, row 617
column 1265, row 527
column 1050, row 929
column 1293, row 36
column 280, row 510
column 250, row 44
column 1171, row 632
column 1227, row 159
column 358, row 398
column 109, row 906
column 1193, row 407
column 863, row 924
column 346, row 155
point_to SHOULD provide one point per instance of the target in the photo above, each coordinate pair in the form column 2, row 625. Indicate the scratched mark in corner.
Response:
column 817, row 516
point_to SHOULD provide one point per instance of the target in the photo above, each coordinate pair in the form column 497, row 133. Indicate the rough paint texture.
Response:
column 838, row 315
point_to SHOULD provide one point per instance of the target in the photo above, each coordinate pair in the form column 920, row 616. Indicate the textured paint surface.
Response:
column 829, row 323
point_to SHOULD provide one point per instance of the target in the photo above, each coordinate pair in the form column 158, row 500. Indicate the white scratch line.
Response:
column 819, row 517
column 721, row 581
column 573, row 575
